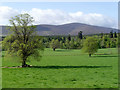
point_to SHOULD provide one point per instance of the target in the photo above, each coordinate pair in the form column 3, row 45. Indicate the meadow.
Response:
column 64, row 69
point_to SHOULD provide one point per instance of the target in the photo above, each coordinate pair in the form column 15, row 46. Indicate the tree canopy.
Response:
column 54, row 44
column 90, row 46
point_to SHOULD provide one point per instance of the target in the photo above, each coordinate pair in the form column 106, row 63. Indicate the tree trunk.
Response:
column 24, row 63
column 53, row 49
column 89, row 55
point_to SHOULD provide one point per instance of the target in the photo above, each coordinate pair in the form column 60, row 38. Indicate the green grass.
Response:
column 64, row 69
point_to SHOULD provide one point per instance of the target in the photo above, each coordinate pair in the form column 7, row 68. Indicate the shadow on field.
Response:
column 104, row 56
column 62, row 50
column 59, row 67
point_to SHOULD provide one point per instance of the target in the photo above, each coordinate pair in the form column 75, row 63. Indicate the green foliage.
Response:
column 67, row 44
column 54, row 44
column 23, row 42
column 90, row 45
column 113, row 43
column 79, row 43
column 111, row 34
column 74, row 42
column 61, row 44
column 101, row 35
column 72, row 46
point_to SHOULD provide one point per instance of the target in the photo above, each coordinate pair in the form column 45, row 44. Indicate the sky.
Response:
column 57, row 13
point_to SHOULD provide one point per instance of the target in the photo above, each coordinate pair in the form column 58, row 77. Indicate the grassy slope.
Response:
column 64, row 68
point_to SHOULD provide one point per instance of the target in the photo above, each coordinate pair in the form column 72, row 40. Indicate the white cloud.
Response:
column 6, row 13
column 58, row 17
column 49, row 16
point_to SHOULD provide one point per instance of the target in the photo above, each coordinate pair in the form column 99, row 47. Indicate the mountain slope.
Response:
column 72, row 29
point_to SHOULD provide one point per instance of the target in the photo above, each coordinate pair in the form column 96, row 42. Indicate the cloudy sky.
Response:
column 57, row 13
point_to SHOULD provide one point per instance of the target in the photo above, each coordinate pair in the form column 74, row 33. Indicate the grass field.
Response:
column 64, row 69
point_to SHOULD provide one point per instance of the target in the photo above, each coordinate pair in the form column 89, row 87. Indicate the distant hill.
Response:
column 65, row 29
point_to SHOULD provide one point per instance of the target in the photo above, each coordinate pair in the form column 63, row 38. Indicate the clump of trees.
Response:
column 76, row 42
column 23, row 41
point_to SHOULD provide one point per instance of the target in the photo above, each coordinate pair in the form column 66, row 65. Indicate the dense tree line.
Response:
column 109, row 40
column 76, row 42
column 80, row 41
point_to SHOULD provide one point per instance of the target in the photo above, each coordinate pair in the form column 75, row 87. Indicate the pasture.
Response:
column 64, row 69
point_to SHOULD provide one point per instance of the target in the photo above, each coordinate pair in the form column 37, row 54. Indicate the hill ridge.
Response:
column 65, row 29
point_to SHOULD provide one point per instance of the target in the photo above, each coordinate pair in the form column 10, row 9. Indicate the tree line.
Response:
column 76, row 42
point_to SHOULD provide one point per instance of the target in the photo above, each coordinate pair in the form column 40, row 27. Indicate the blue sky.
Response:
column 107, row 9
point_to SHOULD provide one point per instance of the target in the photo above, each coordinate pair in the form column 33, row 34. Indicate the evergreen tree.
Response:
column 69, row 37
column 115, row 35
column 111, row 34
column 80, row 35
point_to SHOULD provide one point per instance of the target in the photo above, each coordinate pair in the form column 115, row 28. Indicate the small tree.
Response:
column 23, row 41
column 72, row 46
column 67, row 44
column 90, row 46
column 54, row 44
column 61, row 44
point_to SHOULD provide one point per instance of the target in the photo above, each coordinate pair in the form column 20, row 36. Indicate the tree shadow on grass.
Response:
column 63, row 50
column 104, row 56
column 67, row 67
